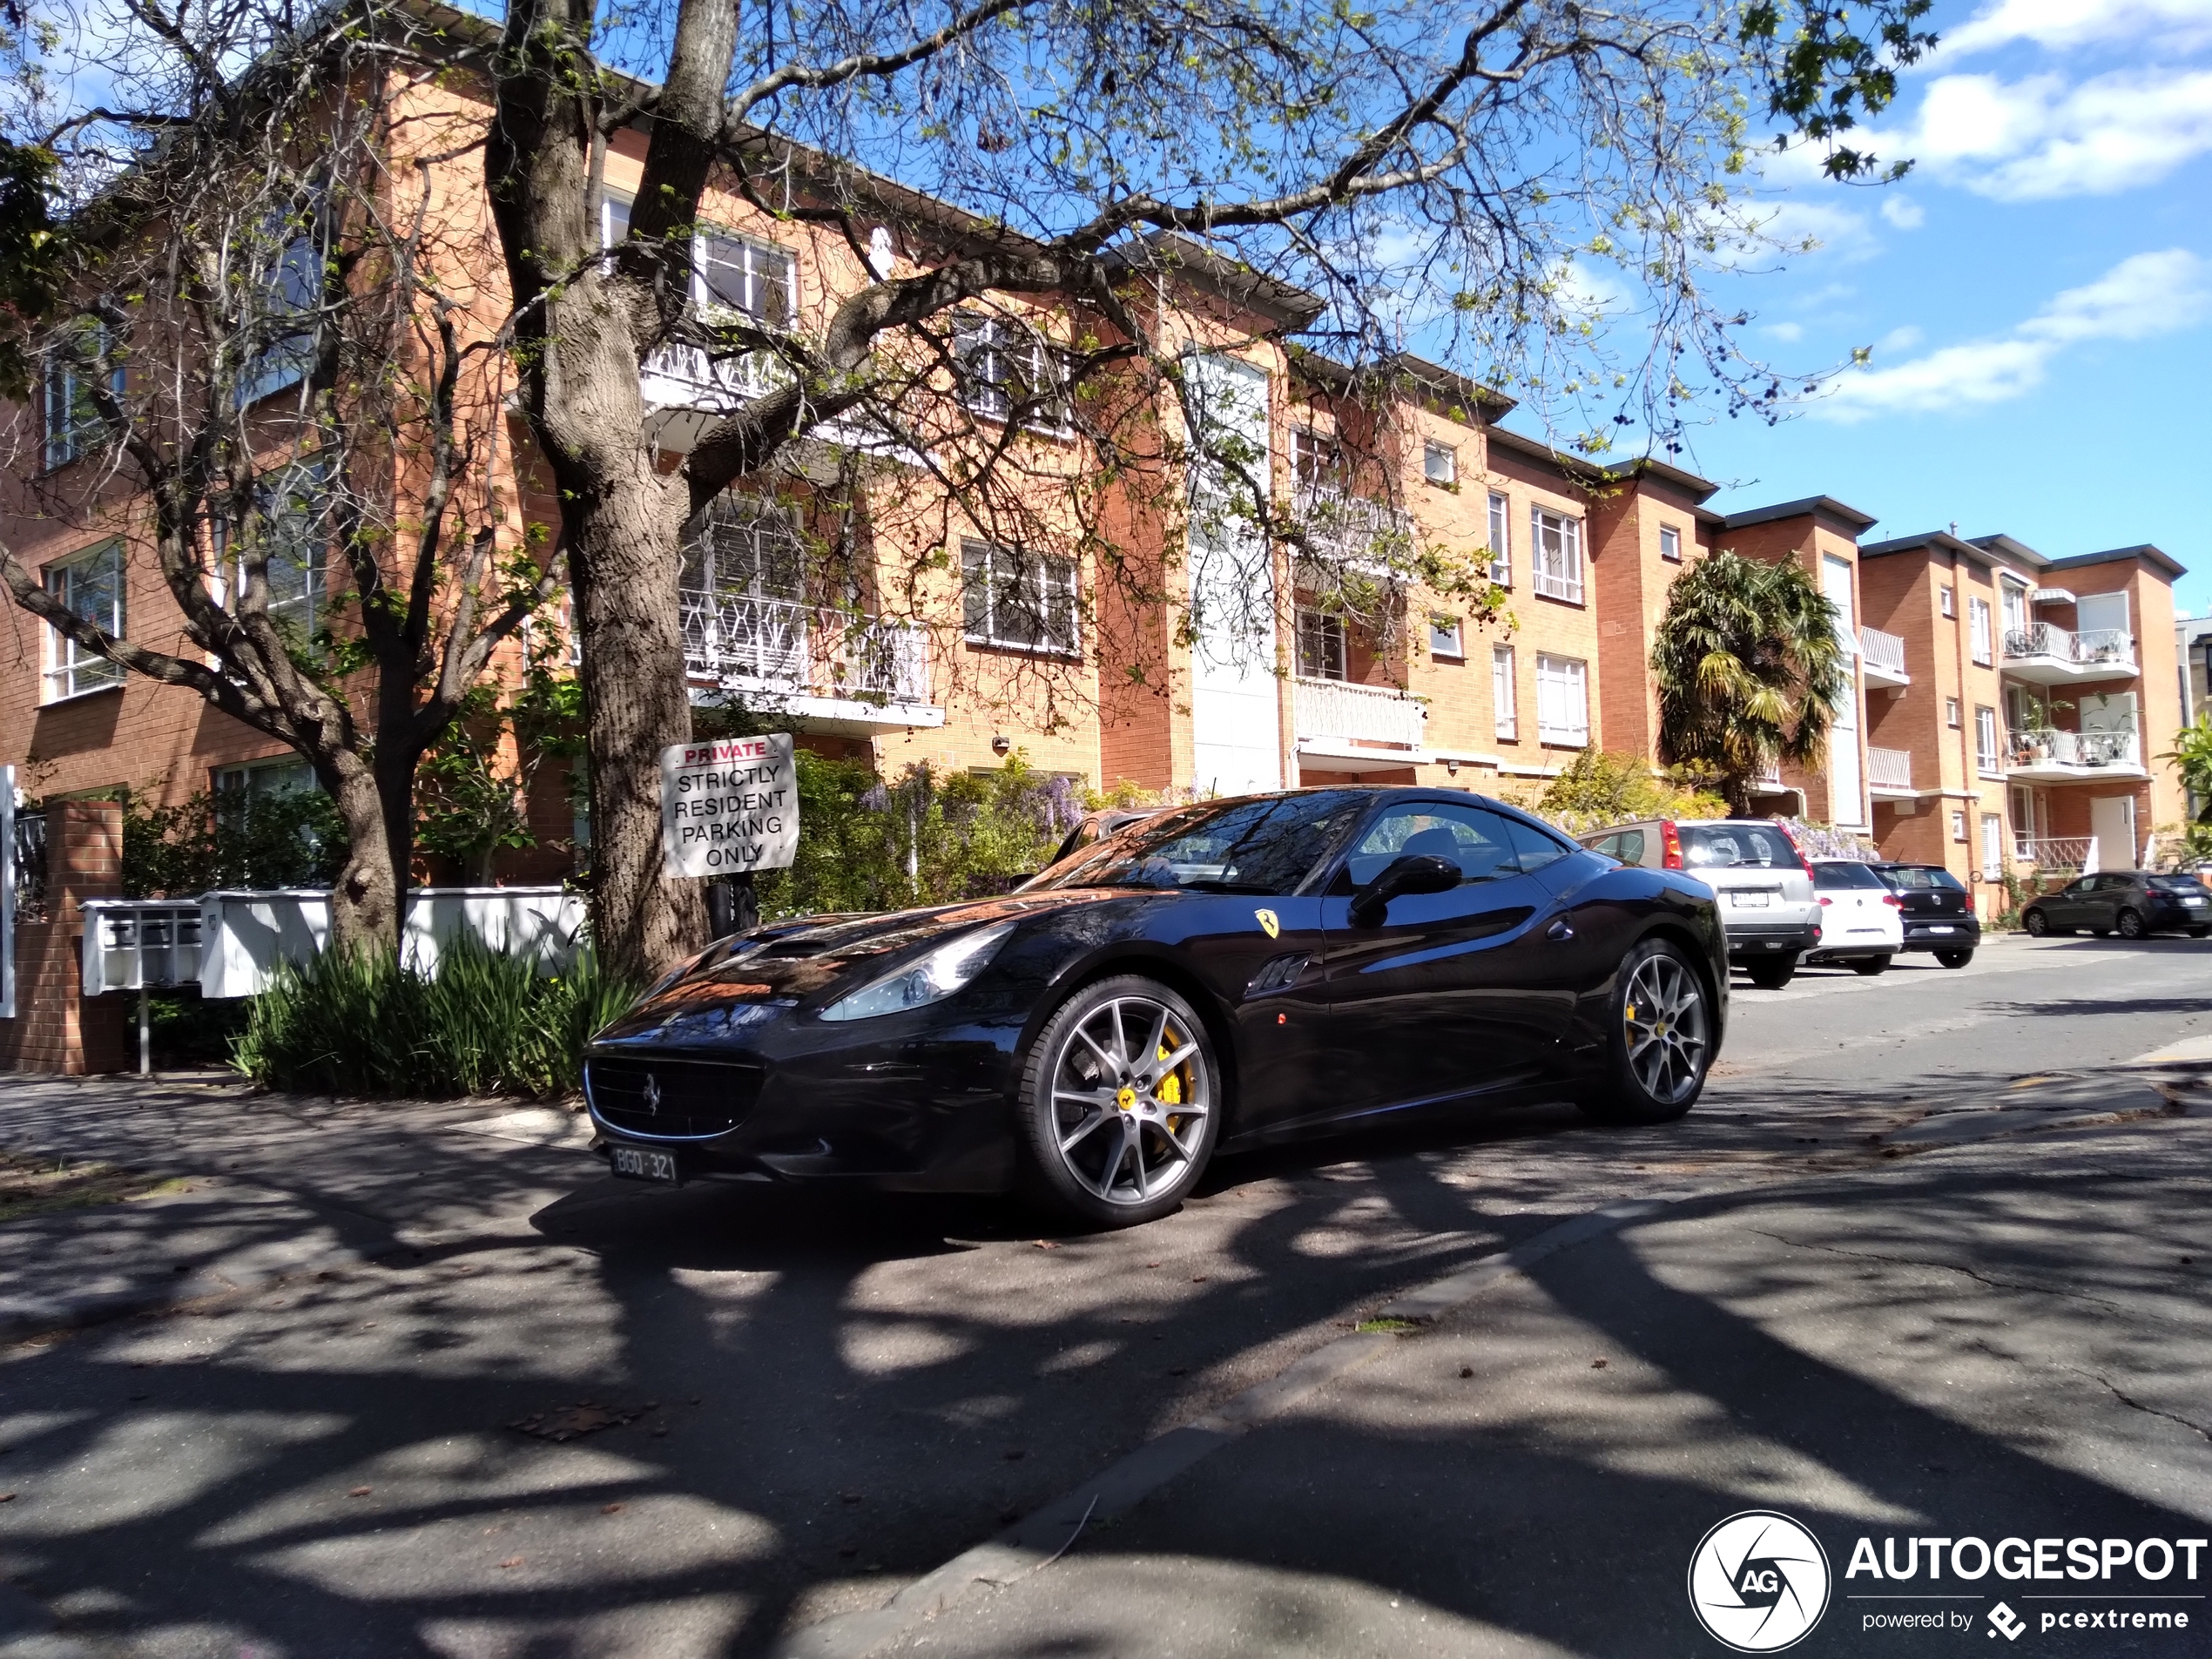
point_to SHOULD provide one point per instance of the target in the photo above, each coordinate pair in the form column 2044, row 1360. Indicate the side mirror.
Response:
column 1415, row 872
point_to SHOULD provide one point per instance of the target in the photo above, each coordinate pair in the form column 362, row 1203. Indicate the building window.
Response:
column 1670, row 545
column 91, row 585
column 1503, row 700
column 1986, row 760
column 1978, row 630
column 1555, row 543
column 614, row 219
column 1501, row 541
column 294, row 506
column 2013, row 598
column 1439, row 462
column 1562, row 700
column 1992, row 848
column 1958, row 823
column 277, row 335
column 1012, row 597
column 1943, row 602
column 72, row 420
column 1444, row 638
column 1321, row 653
column 1004, row 366
column 1315, row 462
column 1951, row 712
column 754, row 278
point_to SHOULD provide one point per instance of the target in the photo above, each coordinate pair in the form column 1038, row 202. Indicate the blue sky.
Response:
column 2038, row 293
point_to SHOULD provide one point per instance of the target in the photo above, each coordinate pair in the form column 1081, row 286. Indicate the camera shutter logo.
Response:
column 1758, row 1582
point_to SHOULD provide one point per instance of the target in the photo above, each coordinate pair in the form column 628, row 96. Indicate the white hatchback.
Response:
column 1862, row 923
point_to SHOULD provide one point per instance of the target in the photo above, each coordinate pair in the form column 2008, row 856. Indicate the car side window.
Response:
column 1533, row 848
column 1630, row 850
column 1479, row 842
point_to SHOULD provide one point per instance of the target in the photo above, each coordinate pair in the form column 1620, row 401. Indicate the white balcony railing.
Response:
column 1356, row 713
column 2100, row 648
column 2043, row 746
column 1884, row 653
column 1890, row 768
column 783, row 647
column 2055, row 852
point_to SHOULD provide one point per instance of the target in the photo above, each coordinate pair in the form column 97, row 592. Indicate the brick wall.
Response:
column 56, row 1028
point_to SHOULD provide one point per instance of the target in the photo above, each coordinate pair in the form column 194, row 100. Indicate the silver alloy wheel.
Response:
column 1130, row 1097
column 1665, row 1015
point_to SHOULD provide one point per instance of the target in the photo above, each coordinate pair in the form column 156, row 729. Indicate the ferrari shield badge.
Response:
column 1269, row 923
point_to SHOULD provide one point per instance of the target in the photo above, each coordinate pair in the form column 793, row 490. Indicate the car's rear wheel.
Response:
column 2131, row 924
column 2038, row 924
column 1121, row 1103
column 1954, row 958
column 1772, row 973
column 1660, row 1040
column 1870, row 965
column 2199, row 932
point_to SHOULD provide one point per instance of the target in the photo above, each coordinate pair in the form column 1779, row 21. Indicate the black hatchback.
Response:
column 1938, row 912
column 2128, row 902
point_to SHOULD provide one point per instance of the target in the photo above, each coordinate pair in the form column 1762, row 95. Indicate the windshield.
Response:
column 1266, row 846
column 1706, row 847
column 1827, row 876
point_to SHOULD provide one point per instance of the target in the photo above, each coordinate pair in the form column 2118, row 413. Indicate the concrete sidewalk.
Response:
column 2010, row 1339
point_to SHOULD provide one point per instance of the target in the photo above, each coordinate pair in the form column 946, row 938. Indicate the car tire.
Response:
column 2101, row 933
column 1954, row 958
column 1659, row 1039
column 2199, row 932
column 1080, row 1119
column 1870, row 965
column 1772, row 973
column 2038, row 925
column 2131, row 924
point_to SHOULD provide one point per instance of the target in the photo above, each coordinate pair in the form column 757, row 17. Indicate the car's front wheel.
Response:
column 1660, row 1040
column 2131, row 924
column 1121, row 1103
column 1954, row 958
column 2038, row 924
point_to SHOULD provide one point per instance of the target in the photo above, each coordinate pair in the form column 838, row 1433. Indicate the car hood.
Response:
column 789, row 963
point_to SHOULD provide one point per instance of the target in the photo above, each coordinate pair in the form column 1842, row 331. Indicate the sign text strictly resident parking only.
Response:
column 728, row 807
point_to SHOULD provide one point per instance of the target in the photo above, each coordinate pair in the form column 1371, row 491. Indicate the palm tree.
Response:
column 1749, row 670
column 2192, row 756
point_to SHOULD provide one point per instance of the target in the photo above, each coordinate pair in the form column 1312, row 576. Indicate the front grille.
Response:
column 671, row 1099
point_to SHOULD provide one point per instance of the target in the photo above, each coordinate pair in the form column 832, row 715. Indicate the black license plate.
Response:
column 641, row 1165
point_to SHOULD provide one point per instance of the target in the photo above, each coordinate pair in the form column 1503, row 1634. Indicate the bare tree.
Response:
column 257, row 374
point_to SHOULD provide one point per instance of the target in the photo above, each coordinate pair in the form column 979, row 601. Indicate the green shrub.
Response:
column 486, row 1022
column 229, row 839
column 1598, row 788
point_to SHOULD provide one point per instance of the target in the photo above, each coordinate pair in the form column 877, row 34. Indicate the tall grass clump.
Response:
column 485, row 1023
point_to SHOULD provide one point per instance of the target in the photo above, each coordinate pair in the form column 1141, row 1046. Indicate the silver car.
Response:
column 1767, row 907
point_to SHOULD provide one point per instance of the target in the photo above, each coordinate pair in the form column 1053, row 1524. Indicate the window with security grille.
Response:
column 1556, row 551
column 1321, row 654
column 1004, row 366
column 91, row 585
column 1019, row 598
column 742, row 590
column 1562, row 700
column 1500, row 540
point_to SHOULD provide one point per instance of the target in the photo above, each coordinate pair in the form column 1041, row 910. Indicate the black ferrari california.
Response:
column 1207, row 978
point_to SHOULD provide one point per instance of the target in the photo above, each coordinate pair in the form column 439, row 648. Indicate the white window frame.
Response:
column 1047, row 593
column 989, row 351
column 1324, row 651
column 1958, row 823
column 1562, row 700
column 1671, row 543
column 1316, row 463
column 1952, row 712
column 613, row 205
column 1978, row 637
column 1555, row 554
column 70, row 670
column 1439, row 462
column 2013, row 603
column 1993, row 846
column 1448, row 639
column 1989, row 760
column 72, row 426
column 756, row 254
column 1946, row 603
column 1505, row 697
column 1500, row 539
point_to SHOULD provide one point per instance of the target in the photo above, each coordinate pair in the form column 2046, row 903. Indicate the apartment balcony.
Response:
column 686, row 391
column 1889, row 774
column 2056, row 854
column 1349, row 530
column 826, row 669
column 2051, row 656
column 1344, row 727
column 1881, row 657
column 2045, row 755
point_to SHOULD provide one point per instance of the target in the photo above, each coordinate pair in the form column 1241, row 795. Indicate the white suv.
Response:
column 1862, row 922
column 1768, row 909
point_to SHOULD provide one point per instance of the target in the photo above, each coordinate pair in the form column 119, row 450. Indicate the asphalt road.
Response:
column 790, row 1408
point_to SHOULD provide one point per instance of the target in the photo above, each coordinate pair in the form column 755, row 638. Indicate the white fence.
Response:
column 244, row 935
column 1881, row 651
column 1890, row 768
column 1358, row 713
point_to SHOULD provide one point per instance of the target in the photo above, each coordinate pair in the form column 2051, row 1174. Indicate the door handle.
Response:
column 1560, row 931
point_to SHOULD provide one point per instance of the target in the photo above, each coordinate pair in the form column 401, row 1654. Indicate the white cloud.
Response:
column 1904, row 213
column 2039, row 137
column 1898, row 339
column 2144, row 295
column 2062, row 24
column 1785, row 330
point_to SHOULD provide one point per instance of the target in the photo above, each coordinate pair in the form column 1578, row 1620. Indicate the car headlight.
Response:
column 933, row 978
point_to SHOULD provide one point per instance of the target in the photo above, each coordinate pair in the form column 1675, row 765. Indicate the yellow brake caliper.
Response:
column 1170, row 1092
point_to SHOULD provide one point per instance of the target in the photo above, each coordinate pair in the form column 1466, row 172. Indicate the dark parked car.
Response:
column 1938, row 911
column 2128, row 902
column 1216, row 975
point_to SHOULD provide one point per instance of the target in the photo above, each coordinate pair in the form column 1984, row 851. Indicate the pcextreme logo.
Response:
column 1758, row 1582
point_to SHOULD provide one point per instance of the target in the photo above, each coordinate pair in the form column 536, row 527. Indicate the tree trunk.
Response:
column 366, row 900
